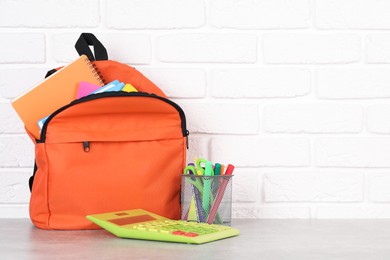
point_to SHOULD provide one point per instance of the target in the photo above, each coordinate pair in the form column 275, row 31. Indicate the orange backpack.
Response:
column 109, row 152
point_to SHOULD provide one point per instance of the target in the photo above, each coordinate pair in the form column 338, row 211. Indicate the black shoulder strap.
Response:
column 88, row 39
column 31, row 180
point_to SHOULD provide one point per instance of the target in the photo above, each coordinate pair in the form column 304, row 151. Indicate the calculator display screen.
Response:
column 131, row 220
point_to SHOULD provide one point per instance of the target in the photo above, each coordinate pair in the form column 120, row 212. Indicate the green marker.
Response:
column 207, row 187
column 217, row 169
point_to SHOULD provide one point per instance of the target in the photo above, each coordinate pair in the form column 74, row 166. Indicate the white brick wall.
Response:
column 22, row 48
column 348, row 83
column 259, row 82
column 263, row 14
column 313, row 187
column 352, row 14
column 49, row 13
column 295, row 93
column 311, row 48
column 155, row 14
column 313, row 118
column 207, row 47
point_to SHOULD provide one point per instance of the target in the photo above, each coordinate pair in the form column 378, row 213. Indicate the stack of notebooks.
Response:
column 78, row 79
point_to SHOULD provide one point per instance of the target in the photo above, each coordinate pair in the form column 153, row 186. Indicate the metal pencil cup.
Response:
column 206, row 199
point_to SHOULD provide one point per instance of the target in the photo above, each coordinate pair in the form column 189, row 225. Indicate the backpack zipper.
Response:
column 185, row 132
column 86, row 146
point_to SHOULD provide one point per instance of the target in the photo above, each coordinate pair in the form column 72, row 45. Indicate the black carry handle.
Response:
column 83, row 43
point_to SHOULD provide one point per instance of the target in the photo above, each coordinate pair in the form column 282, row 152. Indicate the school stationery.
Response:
column 85, row 88
column 217, row 169
column 200, row 164
column 202, row 189
column 112, row 86
column 220, row 194
column 57, row 90
column 42, row 121
column 141, row 224
column 189, row 210
column 197, row 188
column 207, row 187
column 101, row 153
column 129, row 88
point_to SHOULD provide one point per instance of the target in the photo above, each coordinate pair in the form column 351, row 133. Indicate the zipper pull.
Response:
column 187, row 143
column 86, row 146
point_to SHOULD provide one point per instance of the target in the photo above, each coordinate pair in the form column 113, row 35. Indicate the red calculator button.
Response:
column 191, row 234
column 178, row 232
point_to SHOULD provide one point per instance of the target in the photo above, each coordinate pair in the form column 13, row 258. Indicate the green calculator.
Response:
column 141, row 224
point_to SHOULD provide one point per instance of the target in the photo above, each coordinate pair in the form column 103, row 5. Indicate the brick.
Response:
column 253, row 151
column 262, row 14
column 353, row 212
column 14, row 186
column 353, row 151
column 14, row 211
column 10, row 122
column 353, row 83
column 125, row 48
column 198, row 147
column 178, row 82
column 313, row 187
column 207, row 47
column 350, row 14
column 260, row 83
column 155, row 14
column 378, row 48
column 22, row 47
column 49, row 13
column 292, row 48
column 313, row 118
column 16, row 151
column 14, row 82
column 221, row 118
column 246, row 185
column 63, row 49
column 378, row 187
column 377, row 118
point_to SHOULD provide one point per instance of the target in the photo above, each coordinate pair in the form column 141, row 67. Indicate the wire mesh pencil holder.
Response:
column 206, row 199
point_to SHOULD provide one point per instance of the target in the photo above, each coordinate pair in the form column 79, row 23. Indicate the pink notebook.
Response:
column 86, row 88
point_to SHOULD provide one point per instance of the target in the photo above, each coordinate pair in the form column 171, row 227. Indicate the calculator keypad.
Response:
column 178, row 228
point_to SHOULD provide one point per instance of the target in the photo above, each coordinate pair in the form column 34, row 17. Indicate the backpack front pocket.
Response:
column 113, row 176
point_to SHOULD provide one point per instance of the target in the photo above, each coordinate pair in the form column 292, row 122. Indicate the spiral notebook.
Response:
column 55, row 91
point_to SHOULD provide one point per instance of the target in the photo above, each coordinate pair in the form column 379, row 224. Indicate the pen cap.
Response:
column 217, row 169
column 209, row 169
column 229, row 169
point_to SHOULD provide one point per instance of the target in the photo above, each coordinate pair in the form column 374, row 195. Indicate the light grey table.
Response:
column 259, row 239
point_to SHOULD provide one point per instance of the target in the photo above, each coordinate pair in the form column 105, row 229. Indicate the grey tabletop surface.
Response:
column 259, row 239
